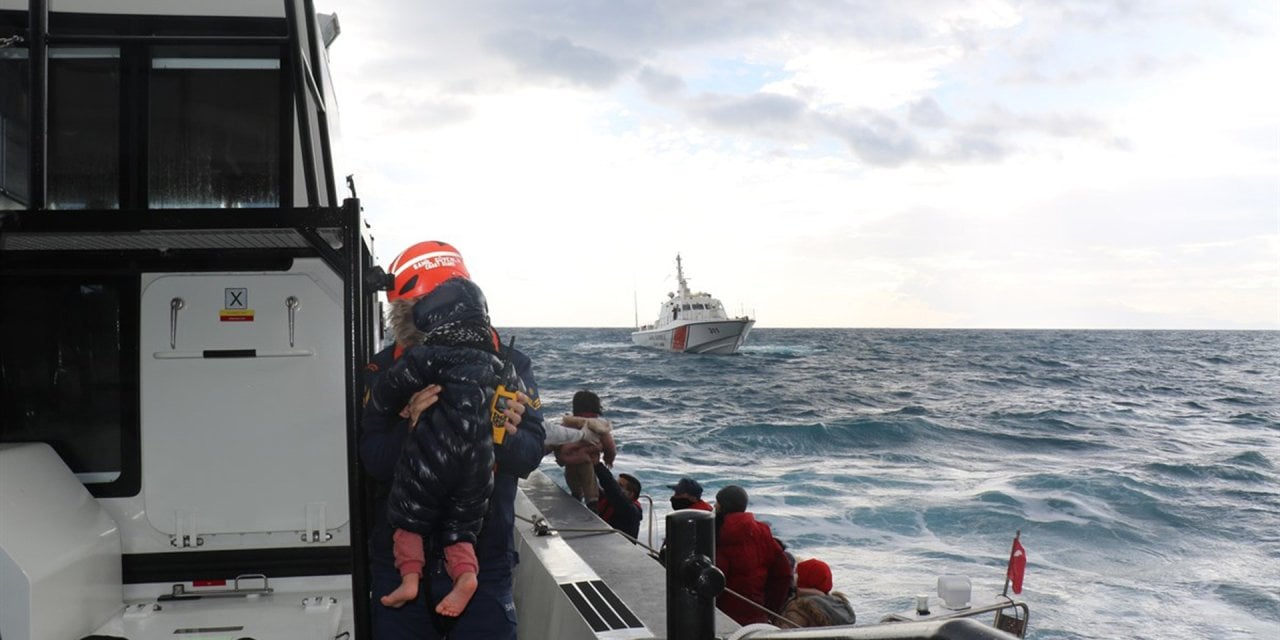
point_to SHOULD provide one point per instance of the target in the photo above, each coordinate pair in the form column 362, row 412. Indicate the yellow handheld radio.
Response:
column 504, row 395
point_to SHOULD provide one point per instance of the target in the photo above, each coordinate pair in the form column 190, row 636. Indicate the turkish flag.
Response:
column 1017, row 565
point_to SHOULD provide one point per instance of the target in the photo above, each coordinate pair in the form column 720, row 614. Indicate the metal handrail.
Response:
column 650, row 499
column 970, row 612
column 952, row 629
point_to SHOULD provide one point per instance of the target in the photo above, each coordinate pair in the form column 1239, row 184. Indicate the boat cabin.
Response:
column 187, row 297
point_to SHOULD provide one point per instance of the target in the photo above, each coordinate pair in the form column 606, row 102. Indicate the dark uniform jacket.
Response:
column 443, row 468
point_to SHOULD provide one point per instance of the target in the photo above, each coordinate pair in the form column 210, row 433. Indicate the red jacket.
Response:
column 754, row 566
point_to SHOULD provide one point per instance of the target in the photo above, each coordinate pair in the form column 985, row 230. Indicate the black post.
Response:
column 356, row 334
column 322, row 110
column 38, row 65
column 693, row 581
column 305, row 138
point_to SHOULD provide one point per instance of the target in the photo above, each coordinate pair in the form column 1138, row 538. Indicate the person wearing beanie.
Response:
column 814, row 604
column 753, row 562
column 579, row 458
column 427, row 442
column 687, row 494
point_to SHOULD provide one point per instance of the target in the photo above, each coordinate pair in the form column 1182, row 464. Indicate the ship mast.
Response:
column 684, row 286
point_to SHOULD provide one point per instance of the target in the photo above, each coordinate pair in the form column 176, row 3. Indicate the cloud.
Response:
column 559, row 58
column 877, row 138
column 927, row 113
column 761, row 112
column 411, row 113
column 937, row 162
column 659, row 85
column 971, row 147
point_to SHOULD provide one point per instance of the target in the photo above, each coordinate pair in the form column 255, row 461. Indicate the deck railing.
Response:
column 694, row 582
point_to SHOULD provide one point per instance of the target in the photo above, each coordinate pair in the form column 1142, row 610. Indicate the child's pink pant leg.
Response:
column 460, row 558
column 406, row 547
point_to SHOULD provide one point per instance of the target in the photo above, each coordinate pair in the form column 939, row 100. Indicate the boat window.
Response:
column 68, row 376
column 214, row 128
column 15, row 113
column 84, row 128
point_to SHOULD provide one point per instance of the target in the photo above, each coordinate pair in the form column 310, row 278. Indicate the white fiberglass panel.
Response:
column 59, row 550
column 242, row 402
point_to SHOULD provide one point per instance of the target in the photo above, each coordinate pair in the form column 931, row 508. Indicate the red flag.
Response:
column 1017, row 565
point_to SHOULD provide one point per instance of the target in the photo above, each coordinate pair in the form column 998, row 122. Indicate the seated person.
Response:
column 815, row 604
column 688, row 495
column 755, row 567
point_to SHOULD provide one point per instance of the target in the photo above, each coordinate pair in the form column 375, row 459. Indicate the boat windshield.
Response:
column 215, row 121
column 14, row 124
column 203, row 127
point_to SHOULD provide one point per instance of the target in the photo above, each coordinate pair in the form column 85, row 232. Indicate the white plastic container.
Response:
column 954, row 591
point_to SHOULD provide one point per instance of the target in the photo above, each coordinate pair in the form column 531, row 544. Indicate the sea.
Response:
column 1140, row 468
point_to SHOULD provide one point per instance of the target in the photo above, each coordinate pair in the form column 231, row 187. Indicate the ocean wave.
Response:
column 1041, row 361
column 1253, row 418
column 1263, row 603
column 1226, row 470
column 1239, row 402
column 1140, row 467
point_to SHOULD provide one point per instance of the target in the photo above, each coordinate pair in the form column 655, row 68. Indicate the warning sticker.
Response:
column 235, row 298
column 236, row 315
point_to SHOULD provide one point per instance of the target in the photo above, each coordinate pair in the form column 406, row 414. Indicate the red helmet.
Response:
column 418, row 269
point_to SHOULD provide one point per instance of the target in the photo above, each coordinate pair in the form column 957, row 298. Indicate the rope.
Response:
column 774, row 615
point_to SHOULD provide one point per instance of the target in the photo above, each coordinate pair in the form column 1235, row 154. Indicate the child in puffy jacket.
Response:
column 579, row 458
column 444, row 475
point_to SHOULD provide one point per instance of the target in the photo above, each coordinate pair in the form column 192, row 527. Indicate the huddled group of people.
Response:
column 452, row 419
column 763, row 582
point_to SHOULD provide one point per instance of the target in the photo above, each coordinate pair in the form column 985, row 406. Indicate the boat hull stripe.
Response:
column 600, row 606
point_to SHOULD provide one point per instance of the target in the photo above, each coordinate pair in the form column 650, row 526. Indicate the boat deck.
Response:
column 582, row 548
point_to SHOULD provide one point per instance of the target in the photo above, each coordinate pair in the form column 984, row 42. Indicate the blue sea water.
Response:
column 1142, row 467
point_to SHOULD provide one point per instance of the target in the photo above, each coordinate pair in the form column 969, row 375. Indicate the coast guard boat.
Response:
column 692, row 322
column 186, row 306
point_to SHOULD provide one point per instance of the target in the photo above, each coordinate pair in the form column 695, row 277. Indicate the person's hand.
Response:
column 419, row 403
column 515, row 412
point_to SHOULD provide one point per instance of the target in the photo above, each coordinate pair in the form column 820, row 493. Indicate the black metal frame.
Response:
column 301, row 52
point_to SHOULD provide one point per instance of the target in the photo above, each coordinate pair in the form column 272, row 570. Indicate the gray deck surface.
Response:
column 627, row 568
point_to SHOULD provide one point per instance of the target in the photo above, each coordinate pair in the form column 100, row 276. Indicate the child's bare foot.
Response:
column 456, row 602
column 406, row 592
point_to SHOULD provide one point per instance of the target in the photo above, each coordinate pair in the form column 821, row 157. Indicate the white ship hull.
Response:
column 693, row 322
column 707, row 336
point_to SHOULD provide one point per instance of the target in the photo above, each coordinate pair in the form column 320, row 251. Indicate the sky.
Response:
column 928, row 164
